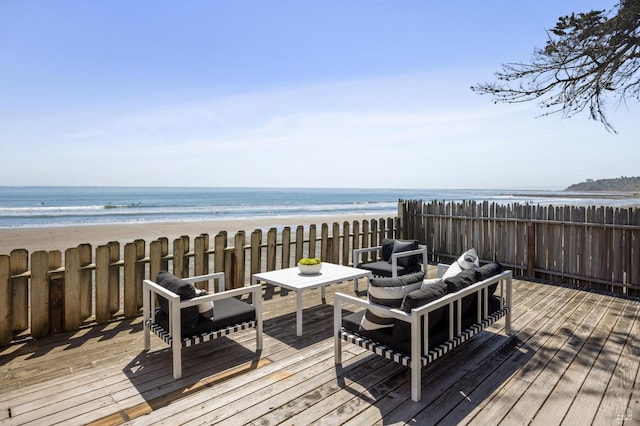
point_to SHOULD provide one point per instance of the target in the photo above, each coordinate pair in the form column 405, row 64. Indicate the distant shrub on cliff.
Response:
column 621, row 184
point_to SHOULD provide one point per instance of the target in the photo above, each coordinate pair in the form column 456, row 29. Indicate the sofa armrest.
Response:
column 504, row 276
column 340, row 298
column 504, row 279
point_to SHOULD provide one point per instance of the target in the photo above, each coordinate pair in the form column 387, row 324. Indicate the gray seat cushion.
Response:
column 229, row 312
column 386, row 337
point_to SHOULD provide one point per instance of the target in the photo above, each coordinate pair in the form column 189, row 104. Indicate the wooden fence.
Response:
column 596, row 247
column 44, row 292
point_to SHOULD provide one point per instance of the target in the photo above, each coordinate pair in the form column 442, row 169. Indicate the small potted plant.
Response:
column 309, row 265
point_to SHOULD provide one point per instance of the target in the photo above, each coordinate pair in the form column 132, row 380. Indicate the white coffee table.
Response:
column 293, row 280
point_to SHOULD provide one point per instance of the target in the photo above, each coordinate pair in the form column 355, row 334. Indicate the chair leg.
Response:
column 337, row 324
column 416, row 383
column 147, row 338
column 259, row 336
column 177, row 359
column 337, row 346
column 257, row 303
column 416, row 361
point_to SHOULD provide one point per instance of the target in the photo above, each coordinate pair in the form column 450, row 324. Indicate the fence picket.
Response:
column 18, row 265
column 286, row 247
column 129, row 287
column 72, row 281
column 102, row 285
column 180, row 256
column 86, row 281
column 312, row 241
column 345, row 243
column 6, row 325
column 39, row 294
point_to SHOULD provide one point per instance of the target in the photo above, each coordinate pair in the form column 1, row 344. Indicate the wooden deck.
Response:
column 574, row 361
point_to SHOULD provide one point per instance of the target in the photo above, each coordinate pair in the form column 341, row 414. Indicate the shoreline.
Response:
column 64, row 237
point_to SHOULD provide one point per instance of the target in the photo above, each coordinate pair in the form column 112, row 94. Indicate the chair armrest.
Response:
column 405, row 253
column 367, row 249
column 148, row 302
column 256, row 289
column 358, row 252
column 148, row 285
column 208, row 277
column 422, row 249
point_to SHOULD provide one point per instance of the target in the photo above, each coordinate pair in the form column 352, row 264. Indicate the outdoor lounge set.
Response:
column 405, row 317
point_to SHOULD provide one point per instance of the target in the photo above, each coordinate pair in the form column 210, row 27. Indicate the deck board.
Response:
column 574, row 358
column 457, row 389
column 613, row 406
column 586, row 404
column 532, row 354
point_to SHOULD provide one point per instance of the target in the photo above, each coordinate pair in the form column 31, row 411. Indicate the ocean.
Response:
column 32, row 207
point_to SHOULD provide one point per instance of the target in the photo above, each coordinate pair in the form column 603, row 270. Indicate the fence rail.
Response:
column 595, row 247
column 44, row 292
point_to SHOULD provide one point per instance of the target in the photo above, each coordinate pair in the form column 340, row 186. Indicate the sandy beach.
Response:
column 62, row 238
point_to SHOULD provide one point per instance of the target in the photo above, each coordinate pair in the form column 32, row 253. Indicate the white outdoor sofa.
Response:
column 455, row 317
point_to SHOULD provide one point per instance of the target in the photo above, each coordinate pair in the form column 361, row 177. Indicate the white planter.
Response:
column 310, row 269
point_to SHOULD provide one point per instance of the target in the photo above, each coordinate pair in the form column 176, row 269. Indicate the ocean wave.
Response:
column 42, row 207
column 84, row 215
column 122, row 206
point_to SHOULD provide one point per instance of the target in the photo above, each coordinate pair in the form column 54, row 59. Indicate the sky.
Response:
column 255, row 93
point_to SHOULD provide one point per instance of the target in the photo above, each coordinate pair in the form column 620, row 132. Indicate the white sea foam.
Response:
column 60, row 206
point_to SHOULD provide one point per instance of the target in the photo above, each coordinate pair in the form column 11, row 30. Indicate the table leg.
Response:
column 299, row 312
column 324, row 299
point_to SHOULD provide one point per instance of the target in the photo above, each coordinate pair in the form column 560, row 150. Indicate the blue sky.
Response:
column 287, row 94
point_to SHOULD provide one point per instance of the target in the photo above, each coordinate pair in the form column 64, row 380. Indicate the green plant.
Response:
column 309, row 261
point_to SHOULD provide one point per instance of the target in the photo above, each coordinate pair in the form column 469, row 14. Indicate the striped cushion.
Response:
column 388, row 292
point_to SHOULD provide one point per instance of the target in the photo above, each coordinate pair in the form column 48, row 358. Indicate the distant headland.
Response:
column 621, row 184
